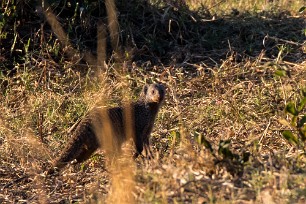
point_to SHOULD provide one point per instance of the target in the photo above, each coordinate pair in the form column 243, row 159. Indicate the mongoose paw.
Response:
column 149, row 156
column 136, row 155
column 51, row 171
column 146, row 156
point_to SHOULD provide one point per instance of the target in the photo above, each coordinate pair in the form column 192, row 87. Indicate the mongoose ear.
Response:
column 144, row 90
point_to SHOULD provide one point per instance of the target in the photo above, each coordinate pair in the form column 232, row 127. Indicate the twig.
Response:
column 282, row 40
column 216, row 4
column 14, row 181
column 265, row 132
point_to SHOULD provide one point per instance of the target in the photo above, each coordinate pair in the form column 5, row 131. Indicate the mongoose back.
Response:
column 86, row 138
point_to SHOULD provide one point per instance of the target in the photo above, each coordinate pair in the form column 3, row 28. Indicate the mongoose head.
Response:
column 153, row 93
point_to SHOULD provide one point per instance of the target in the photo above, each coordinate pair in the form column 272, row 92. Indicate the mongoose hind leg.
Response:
column 82, row 145
column 76, row 152
column 85, row 153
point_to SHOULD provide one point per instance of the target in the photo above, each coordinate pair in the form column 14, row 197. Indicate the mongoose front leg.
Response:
column 148, row 152
column 143, row 143
column 139, row 146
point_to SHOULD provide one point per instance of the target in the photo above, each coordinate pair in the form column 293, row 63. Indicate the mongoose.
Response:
column 86, row 138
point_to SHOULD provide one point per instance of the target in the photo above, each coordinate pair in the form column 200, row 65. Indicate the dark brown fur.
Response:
column 90, row 134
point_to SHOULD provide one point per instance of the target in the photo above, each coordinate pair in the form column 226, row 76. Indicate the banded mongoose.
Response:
column 86, row 138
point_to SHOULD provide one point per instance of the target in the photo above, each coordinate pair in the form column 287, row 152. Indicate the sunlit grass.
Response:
column 253, row 6
column 221, row 85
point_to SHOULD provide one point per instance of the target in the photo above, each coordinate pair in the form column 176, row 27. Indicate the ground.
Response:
column 230, row 77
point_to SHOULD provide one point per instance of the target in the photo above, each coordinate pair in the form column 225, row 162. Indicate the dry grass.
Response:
column 218, row 67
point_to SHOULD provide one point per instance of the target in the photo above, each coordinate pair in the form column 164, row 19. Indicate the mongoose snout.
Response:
column 86, row 138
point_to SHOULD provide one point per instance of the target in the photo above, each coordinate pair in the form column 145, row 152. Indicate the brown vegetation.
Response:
column 218, row 137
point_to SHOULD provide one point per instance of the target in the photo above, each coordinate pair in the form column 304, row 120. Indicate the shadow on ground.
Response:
column 155, row 35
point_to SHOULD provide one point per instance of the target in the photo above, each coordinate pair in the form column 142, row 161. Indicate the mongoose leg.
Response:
column 147, row 148
column 85, row 153
column 139, row 147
